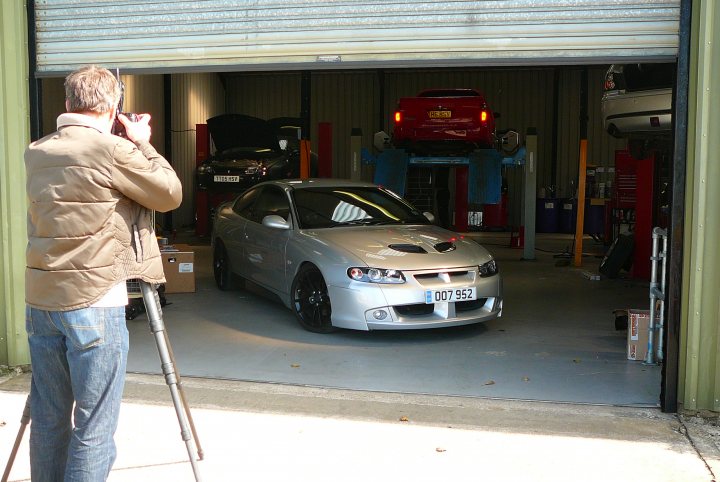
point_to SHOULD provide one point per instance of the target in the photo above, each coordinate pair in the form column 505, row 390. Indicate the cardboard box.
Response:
column 637, row 337
column 179, row 266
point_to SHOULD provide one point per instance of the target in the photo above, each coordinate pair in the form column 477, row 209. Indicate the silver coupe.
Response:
column 343, row 254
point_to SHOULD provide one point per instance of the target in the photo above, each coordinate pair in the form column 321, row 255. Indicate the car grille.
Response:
column 437, row 278
column 415, row 310
column 470, row 305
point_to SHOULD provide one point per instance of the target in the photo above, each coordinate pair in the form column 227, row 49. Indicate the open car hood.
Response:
column 229, row 131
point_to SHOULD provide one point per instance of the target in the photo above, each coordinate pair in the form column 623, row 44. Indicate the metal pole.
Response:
column 157, row 328
column 650, row 357
column 355, row 161
column 24, row 421
column 530, row 193
column 661, row 323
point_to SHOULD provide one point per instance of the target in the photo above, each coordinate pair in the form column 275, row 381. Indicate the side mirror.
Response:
column 275, row 221
column 430, row 216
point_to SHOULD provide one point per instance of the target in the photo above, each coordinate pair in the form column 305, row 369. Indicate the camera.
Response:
column 118, row 129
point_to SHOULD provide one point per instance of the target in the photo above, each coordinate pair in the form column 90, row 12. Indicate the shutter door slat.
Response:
column 268, row 35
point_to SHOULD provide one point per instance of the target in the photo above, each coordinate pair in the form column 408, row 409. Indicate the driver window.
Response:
column 272, row 200
column 243, row 205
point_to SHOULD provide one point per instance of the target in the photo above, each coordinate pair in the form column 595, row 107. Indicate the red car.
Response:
column 444, row 122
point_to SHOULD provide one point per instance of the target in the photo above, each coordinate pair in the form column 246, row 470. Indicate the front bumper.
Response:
column 367, row 306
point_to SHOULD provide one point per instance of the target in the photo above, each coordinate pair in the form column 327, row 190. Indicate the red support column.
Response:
column 644, row 217
column 324, row 149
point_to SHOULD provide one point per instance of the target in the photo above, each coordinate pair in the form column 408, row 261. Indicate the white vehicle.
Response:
column 345, row 254
column 637, row 100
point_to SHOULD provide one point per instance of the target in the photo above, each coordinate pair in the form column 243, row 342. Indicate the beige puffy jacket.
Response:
column 91, row 196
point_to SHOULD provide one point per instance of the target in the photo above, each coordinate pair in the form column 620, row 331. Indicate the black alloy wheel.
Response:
column 310, row 300
column 221, row 267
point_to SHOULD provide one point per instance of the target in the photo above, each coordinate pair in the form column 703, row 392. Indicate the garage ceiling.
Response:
column 233, row 35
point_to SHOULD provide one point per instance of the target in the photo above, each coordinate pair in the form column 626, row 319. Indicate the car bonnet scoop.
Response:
column 408, row 248
column 445, row 247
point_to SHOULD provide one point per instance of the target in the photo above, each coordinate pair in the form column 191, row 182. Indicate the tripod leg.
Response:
column 157, row 328
column 24, row 421
column 186, row 406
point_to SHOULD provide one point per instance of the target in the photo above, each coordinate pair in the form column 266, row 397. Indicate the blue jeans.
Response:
column 78, row 358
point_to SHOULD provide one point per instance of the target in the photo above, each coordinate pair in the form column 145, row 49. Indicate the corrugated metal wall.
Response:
column 699, row 380
column 524, row 97
column 195, row 98
column 147, row 98
column 309, row 34
column 53, row 103
column 264, row 95
column 347, row 100
column 14, row 136
column 352, row 99
column 143, row 94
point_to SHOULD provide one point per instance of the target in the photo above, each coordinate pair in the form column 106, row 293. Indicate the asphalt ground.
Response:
column 277, row 432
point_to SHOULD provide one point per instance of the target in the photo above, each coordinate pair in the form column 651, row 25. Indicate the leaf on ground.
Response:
column 295, row 365
column 490, row 382
column 576, row 360
column 440, row 450
column 404, row 419
column 526, row 379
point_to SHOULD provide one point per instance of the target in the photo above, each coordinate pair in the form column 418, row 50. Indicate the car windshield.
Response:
column 326, row 207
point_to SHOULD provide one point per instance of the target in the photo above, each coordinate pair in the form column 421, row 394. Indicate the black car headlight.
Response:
column 376, row 275
column 204, row 170
column 488, row 269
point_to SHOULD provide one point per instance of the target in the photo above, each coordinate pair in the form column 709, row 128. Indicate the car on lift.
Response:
column 444, row 122
column 344, row 254
column 289, row 133
column 249, row 150
column 637, row 103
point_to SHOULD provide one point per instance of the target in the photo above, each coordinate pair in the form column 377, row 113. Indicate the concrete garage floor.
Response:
column 556, row 340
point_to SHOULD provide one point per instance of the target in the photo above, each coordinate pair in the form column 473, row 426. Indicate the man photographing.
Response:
column 90, row 228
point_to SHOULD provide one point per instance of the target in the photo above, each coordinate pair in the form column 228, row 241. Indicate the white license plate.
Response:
column 440, row 114
column 226, row 178
column 450, row 295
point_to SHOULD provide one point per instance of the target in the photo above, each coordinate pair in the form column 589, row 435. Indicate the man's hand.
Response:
column 137, row 131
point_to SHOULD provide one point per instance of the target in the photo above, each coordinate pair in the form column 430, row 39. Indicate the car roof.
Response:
column 309, row 183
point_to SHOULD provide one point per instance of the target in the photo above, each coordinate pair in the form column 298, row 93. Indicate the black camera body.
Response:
column 118, row 128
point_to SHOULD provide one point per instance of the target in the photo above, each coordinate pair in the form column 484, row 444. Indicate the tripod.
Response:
column 167, row 363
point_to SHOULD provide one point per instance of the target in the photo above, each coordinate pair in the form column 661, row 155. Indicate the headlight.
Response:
column 376, row 275
column 488, row 269
column 205, row 170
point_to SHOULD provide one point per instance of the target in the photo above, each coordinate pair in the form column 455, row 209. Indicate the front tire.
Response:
column 221, row 267
column 310, row 300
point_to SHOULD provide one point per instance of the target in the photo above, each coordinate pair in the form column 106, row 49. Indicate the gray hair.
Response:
column 92, row 89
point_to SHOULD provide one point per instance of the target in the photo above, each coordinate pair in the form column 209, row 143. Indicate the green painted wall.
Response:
column 14, row 136
column 699, row 387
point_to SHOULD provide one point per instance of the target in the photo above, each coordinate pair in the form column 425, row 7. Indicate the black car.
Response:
column 248, row 151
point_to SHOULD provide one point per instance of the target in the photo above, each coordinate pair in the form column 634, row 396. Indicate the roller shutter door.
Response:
column 227, row 35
